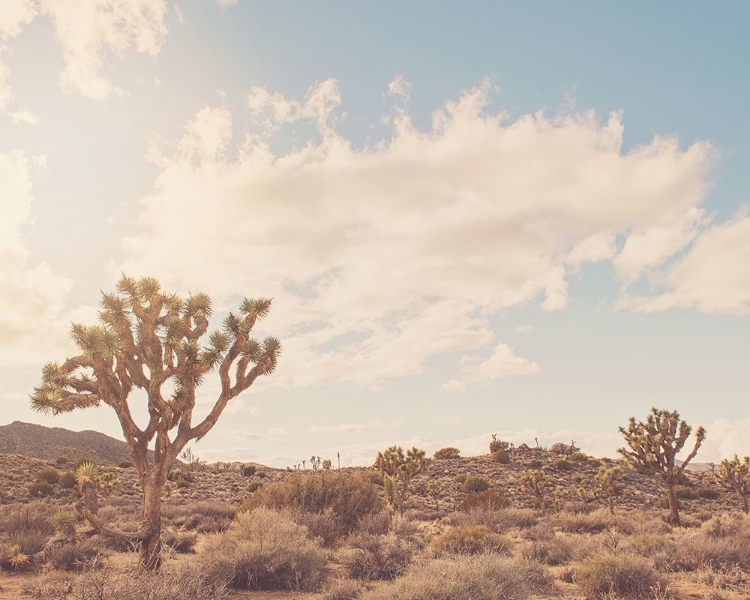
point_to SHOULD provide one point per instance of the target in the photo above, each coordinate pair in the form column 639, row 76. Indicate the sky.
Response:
column 529, row 219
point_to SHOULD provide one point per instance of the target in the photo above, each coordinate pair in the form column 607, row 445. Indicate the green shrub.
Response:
column 349, row 497
column 617, row 575
column 264, row 549
column 447, row 453
column 377, row 556
column 48, row 475
column 475, row 484
column 40, row 489
column 482, row 577
column 470, row 539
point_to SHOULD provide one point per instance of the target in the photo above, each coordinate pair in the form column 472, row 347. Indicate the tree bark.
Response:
column 611, row 504
column 150, row 551
column 745, row 506
column 674, row 515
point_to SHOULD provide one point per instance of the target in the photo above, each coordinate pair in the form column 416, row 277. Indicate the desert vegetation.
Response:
column 454, row 527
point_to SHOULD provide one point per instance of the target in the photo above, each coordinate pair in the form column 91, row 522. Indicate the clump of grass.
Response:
column 470, row 539
column 617, row 575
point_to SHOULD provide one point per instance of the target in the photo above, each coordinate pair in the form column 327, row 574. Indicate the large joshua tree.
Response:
column 150, row 339
column 653, row 447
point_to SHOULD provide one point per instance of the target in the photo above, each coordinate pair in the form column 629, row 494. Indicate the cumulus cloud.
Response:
column 713, row 277
column 503, row 362
column 381, row 258
column 86, row 32
column 32, row 295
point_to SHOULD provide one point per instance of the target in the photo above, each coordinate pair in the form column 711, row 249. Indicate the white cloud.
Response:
column 502, row 363
column 524, row 328
column 353, row 427
column 713, row 277
column 23, row 116
column 383, row 257
column 32, row 295
column 226, row 3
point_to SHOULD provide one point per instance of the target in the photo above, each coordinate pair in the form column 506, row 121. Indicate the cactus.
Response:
column 734, row 475
column 393, row 463
column 653, row 446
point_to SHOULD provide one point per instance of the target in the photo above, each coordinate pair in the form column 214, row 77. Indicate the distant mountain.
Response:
column 48, row 443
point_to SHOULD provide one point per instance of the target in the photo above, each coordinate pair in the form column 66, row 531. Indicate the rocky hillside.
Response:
column 48, row 443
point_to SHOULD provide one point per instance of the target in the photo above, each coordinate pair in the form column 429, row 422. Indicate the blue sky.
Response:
column 516, row 218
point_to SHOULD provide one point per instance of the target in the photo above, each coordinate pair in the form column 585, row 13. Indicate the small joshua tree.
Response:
column 735, row 475
column 607, row 484
column 150, row 339
column 393, row 463
column 535, row 482
column 653, row 446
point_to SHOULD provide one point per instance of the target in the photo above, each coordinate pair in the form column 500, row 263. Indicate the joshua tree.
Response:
column 393, row 463
column 733, row 475
column 150, row 339
column 653, row 447
column 535, row 482
column 607, row 485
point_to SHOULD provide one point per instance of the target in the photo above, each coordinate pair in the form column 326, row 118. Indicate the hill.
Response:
column 48, row 443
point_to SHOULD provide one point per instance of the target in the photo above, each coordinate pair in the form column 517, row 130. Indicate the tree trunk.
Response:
column 151, row 524
column 611, row 504
column 745, row 507
column 674, row 515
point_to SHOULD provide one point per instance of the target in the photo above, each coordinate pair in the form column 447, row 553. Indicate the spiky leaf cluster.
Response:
column 653, row 445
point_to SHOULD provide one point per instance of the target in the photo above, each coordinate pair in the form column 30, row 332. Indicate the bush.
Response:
column 487, row 500
column 254, row 486
column 126, row 464
column 562, row 465
column 496, row 445
column 555, row 550
column 483, row 577
column 248, row 470
column 470, row 539
column 501, row 456
column 203, row 517
column 40, row 489
column 476, row 484
column 347, row 497
column 560, row 448
column 61, row 460
column 319, row 525
column 48, row 475
column 499, row 520
column 72, row 557
column 264, row 549
column 179, row 541
column 447, row 453
column 377, row 556
column 619, row 575
column 343, row 589
column 68, row 480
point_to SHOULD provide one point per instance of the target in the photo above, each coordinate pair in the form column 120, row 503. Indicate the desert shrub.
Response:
column 499, row 520
column 182, row 583
column 67, row 480
column 554, row 550
column 447, row 453
column 501, row 456
column 375, row 523
column 254, row 486
column 562, row 464
column 347, row 497
column 487, row 500
column 697, row 551
column 48, row 475
column 179, row 541
column 319, row 525
column 248, row 470
column 536, row 463
column 470, row 539
column 560, row 448
column 264, row 549
column 343, row 589
column 617, row 575
column 496, row 445
column 203, row 517
column 593, row 522
column 40, row 489
column 377, row 556
column 475, row 484
column 61, row 460
column 726, row 524
column 482, row 577
column 126, row 464
column 181, row 483
column 72, row 557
